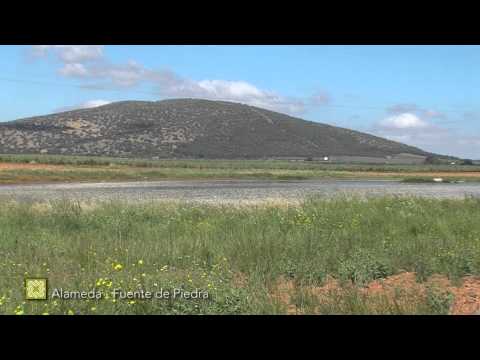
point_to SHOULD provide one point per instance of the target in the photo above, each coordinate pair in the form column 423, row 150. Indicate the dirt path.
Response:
column 232, row 191
column 20, row 166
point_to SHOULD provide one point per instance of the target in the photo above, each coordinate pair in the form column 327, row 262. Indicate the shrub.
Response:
column 439, row 301
column 432, row 160
column 363, row 267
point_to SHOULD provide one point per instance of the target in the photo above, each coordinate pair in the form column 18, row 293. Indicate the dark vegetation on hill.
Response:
column 188, row 128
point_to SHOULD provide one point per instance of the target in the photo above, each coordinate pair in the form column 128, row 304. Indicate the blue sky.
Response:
column 427, row 96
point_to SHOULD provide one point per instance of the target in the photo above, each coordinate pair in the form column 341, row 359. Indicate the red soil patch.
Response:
column 240, row 280
column 283, row 293
column 18, row 166
column 466, row 295
column 284, row 290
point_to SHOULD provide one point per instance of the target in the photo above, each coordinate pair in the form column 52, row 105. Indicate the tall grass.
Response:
column 237, row 254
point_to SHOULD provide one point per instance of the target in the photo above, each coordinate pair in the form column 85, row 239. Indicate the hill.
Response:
column 189, row 128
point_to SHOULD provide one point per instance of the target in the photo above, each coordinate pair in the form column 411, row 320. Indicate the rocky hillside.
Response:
column 188, row 128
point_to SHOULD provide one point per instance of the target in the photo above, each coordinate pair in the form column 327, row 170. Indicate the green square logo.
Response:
column 36, row 289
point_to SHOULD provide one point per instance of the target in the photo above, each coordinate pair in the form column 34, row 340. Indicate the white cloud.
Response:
column 87, row 62
column 417, row 110
column 410, row 129
column 94, row 103
column 171, row 85
column 234, row 89
column 403, row 121
column 244, row 92
column 126, row 75
column 109, row 75
column 74, row 69
column 86, row 105
column 70, row 53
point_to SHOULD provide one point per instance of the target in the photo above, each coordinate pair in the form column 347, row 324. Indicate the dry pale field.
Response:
column 21, row 166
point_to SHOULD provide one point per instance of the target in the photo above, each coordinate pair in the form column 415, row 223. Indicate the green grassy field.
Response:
column 227, row 164
column 241, row 256
column 28, row 169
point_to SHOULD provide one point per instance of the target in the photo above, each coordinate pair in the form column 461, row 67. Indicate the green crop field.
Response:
column 51, row 168
column 227, row 164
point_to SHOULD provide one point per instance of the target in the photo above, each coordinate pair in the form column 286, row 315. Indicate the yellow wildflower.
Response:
column 18, row 310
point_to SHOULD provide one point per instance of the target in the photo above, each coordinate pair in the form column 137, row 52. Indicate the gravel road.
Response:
column 230, row 191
